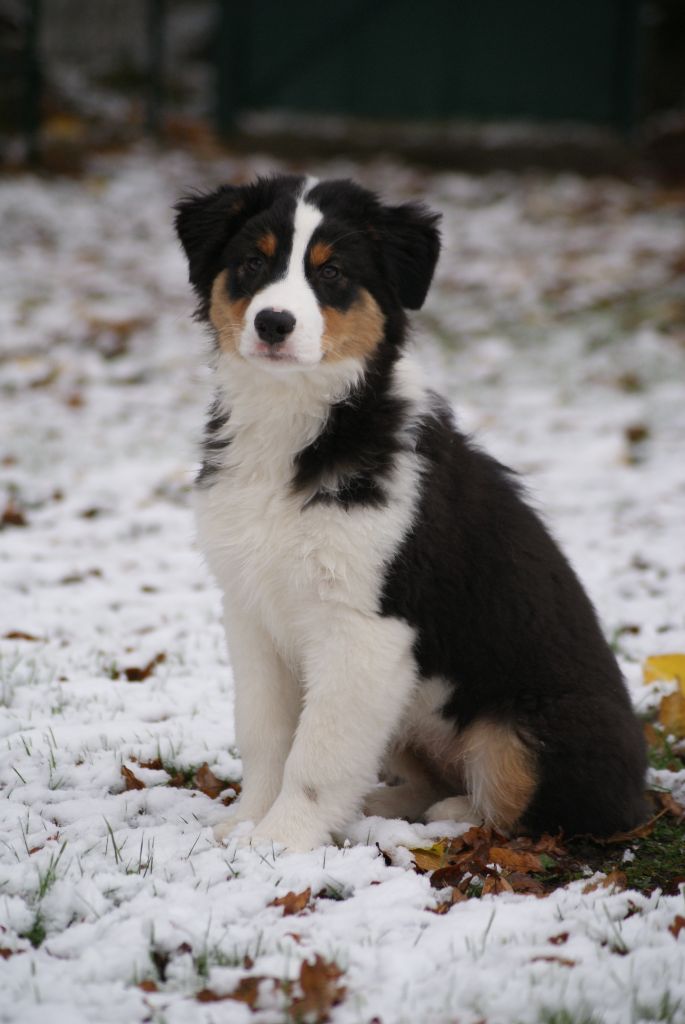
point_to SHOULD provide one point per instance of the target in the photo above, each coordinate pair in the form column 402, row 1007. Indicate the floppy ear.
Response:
column 204, row 223
column 411, row 243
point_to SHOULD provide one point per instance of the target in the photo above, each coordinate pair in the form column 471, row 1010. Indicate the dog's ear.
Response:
column 411, row 244
column 204, row 224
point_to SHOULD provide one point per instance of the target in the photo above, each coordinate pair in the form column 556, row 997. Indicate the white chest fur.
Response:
column 274, row 553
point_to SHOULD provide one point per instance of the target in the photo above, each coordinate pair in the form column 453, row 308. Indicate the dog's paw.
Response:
column 234, row 828
column 400, row 801
column 454, row 808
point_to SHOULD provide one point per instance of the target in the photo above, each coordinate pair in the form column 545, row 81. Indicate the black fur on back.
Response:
column 501, row 615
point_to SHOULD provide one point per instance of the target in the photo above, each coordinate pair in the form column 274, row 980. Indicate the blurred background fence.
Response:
column 457, row 81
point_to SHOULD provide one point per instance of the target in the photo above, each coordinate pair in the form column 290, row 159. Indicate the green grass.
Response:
column 36, row 933
column 659, row 859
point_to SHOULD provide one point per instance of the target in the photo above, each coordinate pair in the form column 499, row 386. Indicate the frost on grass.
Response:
column 557, row 324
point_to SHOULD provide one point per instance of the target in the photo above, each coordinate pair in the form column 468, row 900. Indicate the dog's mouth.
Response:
column 274, row 353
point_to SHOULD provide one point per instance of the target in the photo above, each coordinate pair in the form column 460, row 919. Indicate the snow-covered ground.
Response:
column 557, row 325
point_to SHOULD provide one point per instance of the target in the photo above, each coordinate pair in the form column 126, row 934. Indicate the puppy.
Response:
column 392, row 605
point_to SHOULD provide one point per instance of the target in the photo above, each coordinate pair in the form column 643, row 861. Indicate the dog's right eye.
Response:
column 253, row 264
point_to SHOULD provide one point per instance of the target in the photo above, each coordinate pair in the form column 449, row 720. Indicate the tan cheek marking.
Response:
column 500, row 772
column 319, row 254
column 354, row 333
column 267, row 244
column 227, row 315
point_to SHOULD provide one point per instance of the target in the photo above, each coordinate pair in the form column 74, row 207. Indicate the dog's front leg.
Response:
column 267, row 704
column 359, row 674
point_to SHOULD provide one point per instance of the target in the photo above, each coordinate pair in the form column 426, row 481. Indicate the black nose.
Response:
column 272, row 326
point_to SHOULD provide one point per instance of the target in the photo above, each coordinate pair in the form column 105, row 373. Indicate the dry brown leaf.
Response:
column 671, row 805
column 130, row 780
column 514, row 861
column 625, row 837
column 13, row 515
column 672, row 714
column 558, row 940
column 148, row 985
column 155, row 764
column 451, row 875
column 665, row 668
column 138, row 675
column 208, row 995
column 247, row 991
column 5, row 953
column 523, row 883
column 554, row 960
column 207, row 782
column 19, row 634
column 292, row 902
column 495, row 884
column 677, row 926
column 320, row 990
column 431, row 858
column 616, row 878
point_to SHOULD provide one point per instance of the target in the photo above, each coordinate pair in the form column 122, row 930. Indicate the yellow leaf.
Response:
column 430, row 858
column 665, row 668
column 672, row 714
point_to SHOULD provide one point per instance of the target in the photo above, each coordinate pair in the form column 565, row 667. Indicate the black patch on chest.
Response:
column 350, row 460
column 213, row 444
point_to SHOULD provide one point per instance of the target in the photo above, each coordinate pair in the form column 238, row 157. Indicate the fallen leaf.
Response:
column 430, row 858
column 558, row 940
column 155, row 764
column 521, row 882
column 639, row 832
column 292, row 902
column 5, row 953
column 320, row 990
column 138, row 675
column 130, row 780
column 13, row 515
column 206, row 781
column 672, row 713
column 148, row 985
column 665, row 668
column 18, row 634
column 554, row 960
column 448, row 876
column 671, row 805
column 514, row 861
column 614, row 878
column 208, row 995
column 246, row 991
column 677, row 926
column 495, row 884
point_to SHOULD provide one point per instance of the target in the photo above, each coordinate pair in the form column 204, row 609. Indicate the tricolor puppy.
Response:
column 393, row 607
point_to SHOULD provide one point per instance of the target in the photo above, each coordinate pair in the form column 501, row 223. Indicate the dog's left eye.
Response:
column 329, row 272
column 253, row 264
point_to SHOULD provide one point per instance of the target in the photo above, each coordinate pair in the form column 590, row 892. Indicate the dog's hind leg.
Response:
column 500, row 775
column 415, row 790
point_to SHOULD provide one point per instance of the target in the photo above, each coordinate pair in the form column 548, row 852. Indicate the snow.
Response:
column 556, row 324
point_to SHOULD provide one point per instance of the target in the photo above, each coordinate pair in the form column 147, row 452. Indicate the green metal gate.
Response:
column 525, row 59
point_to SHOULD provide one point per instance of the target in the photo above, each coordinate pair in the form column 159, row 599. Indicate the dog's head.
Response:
column 293, row 272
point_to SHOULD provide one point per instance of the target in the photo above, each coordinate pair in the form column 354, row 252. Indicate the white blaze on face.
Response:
column 292, row 294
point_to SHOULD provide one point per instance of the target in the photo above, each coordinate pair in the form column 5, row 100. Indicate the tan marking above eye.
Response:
column 227, row 315
column 267, row 244
column 355, row 332
column 320, row 253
